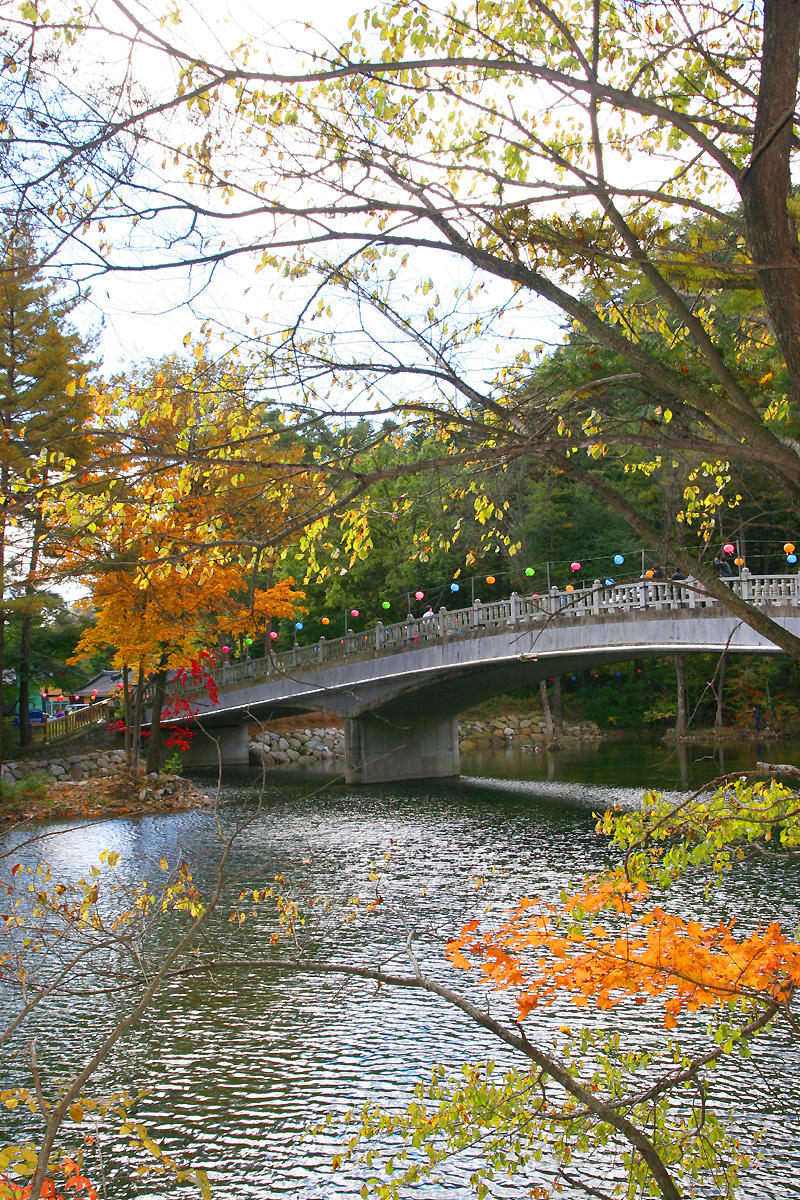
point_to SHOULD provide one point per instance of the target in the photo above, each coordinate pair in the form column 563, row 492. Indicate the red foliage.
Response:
column 74, row 1184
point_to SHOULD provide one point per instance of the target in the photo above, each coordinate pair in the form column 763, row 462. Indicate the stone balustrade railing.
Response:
column 593, row 600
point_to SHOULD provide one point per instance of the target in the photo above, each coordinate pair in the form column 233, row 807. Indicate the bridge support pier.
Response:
column 380, row 749
column 229, row 745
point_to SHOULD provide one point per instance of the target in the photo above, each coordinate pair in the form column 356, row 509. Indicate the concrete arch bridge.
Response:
column 400, row 687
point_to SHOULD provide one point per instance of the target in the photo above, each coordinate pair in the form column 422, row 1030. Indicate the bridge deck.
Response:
column 451, row 660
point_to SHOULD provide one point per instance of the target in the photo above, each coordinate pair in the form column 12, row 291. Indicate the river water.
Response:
column 239, row 1066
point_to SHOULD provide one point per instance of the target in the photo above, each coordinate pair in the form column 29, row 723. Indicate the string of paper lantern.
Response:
column 575, row 566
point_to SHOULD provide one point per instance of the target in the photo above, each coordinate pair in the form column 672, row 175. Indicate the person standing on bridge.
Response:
column 722, row 566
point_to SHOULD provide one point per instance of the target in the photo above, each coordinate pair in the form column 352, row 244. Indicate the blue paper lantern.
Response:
column 609, row 582
column 454, row 587
column 791, row 558
column 298, row 625
column 619, row 559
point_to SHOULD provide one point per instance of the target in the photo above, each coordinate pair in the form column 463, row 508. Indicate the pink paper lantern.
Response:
column 729, row 548
column 225, row 649
column 273, row 635
column 576, row 566
column 354, row 612
column 420, row 595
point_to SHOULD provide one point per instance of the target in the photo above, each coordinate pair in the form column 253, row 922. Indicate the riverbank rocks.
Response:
column 76, row 767
column 523, row 731
column 298, row 747
column 118, row 792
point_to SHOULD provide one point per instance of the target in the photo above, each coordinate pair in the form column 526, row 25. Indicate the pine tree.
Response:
column 43, row 408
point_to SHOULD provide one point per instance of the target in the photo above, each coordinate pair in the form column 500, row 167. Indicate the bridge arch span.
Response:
column 400, row 690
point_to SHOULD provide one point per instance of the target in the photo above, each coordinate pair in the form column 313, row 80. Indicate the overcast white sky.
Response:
column 147, row 316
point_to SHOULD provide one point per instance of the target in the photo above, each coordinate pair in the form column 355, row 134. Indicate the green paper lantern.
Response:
column 386, row 604
column 529, row 571
column 248, row 641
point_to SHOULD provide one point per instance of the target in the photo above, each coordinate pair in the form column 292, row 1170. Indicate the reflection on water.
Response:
column 644, row 764
column 239, row 1066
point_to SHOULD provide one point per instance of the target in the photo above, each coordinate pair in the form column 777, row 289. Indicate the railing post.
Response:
column 442, row 622
column 378, row 635
column 596, row 597
column 747, row 584
column 513, row 617
column 554, row 599
column 476, row 614
column 348, row 641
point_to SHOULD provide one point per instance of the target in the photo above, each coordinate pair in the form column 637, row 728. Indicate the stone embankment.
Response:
column 307, row 747
column 75, row 767
column 302, row 747
column 523, row 731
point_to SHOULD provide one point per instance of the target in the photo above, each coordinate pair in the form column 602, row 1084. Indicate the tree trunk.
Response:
column 127, row 713
column 24, row 679
column 3, row 512
column 680, row 719
column 548, row 716
column 137, row 719
column 720, row 692
column 765, row 183
column 2, row 636
column 27, row 619
column 153, row 760
column 558, row 708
